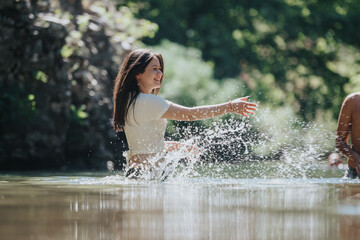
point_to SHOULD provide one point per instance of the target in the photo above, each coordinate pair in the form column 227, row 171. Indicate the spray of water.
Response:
column 258, row 148
column 271, row 144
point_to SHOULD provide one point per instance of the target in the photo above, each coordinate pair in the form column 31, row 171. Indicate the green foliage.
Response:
column 31, row 98
column 78, row 114
column 41, row 76
column 188, row 80
column 282, row 131
column 120, row 24
column 59, row 62
column 66, row 52
column 302, row 53
column 295, row 57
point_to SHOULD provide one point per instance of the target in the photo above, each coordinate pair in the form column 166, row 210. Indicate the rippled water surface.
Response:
column 225, row 202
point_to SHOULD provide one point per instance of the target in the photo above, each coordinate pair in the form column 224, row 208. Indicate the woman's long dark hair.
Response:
column 126, row 87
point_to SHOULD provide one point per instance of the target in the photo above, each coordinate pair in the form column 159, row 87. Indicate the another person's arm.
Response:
column 343, row 133
column 181, row 113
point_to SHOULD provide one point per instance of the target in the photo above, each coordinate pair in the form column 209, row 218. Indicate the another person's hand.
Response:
column 357, row 169
column 357, row 164
column 354, row 160
column 243, row 107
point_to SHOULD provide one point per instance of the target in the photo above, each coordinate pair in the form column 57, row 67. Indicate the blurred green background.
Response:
column 298, row 59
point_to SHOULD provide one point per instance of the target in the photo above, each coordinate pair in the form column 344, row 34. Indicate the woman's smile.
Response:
column 150, row 79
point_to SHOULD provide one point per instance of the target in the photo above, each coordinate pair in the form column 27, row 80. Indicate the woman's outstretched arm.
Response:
column 181, row 113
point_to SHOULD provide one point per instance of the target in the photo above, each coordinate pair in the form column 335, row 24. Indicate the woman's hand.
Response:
column 196, row 151
column 193, row 150
column 243, row 107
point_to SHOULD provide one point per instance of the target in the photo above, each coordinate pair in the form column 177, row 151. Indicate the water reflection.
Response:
column 67, row 208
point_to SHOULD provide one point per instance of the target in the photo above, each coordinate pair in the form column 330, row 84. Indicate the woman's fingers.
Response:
column 247, row 108
column 251, row 112
column 251, row 108
column 244, row 114
column 250, row 104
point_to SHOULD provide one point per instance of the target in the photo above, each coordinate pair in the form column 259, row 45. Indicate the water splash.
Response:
column 262, row 147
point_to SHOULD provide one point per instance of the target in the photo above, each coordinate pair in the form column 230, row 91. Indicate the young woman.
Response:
column 142, row 114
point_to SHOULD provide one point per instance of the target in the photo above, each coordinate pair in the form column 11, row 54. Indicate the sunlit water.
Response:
column 234, row 192
column 201, row 206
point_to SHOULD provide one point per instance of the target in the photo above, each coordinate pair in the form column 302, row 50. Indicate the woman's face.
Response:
column 150, row 79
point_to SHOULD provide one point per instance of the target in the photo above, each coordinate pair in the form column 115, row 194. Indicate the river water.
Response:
column 215, row 203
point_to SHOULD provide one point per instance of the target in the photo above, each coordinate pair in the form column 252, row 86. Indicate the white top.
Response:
column 144, row 128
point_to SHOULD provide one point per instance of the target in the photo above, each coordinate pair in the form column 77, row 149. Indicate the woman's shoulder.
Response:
column 150, row 106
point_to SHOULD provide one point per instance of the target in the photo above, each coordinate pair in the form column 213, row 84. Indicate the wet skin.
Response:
column 349, row 127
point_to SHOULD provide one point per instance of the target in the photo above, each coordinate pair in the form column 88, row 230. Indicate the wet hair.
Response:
column 126, row 87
